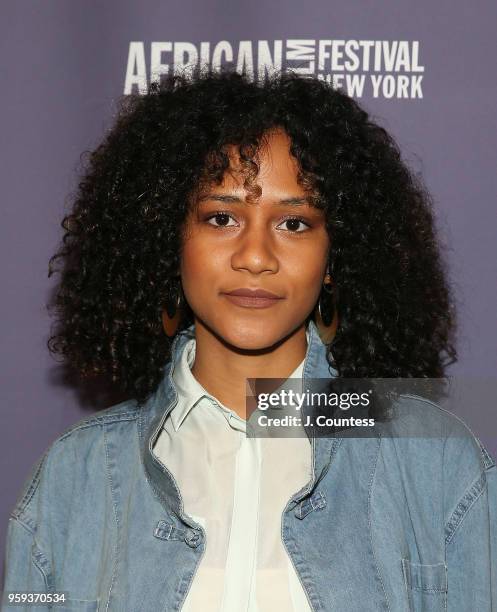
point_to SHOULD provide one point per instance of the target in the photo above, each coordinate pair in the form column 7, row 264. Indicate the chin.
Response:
column 245, row 343
column 256, row 336
column 251, row 337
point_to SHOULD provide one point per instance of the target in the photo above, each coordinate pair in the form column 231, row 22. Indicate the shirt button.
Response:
column 193, row 538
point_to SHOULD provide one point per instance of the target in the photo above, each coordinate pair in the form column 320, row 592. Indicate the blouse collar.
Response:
column 190, row 391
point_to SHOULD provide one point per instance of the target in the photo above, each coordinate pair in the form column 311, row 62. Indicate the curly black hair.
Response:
column 121, row 247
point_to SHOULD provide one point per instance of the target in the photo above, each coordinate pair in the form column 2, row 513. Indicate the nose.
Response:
column 254, row 251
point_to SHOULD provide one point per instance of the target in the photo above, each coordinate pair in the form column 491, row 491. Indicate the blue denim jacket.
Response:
column 386, row 522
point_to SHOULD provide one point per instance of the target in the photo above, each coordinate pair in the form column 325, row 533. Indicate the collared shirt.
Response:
column 236, row 488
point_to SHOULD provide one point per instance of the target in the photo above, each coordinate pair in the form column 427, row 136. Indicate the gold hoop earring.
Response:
column 173, row 311
column 325, row 312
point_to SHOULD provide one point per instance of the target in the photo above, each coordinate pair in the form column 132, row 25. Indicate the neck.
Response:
column 222, row 369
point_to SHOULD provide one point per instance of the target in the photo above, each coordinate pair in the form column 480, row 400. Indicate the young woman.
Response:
column 226, row 231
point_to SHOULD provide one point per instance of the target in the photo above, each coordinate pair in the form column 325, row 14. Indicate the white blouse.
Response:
column 236, row 487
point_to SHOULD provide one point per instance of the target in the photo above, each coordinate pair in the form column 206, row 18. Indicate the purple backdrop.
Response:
column 65, row 64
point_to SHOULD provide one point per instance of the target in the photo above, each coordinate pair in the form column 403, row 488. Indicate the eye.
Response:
column 219, row 216
column 220, row 219
column 294, row 222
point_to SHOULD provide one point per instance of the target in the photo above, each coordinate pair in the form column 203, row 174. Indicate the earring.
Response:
column 324, row 314
column 173, row 311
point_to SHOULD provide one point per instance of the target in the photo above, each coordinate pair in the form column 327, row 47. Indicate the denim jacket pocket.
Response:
column 426, row 586
column 78, row 605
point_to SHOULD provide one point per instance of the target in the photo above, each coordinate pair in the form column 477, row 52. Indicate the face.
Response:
column 277, row 243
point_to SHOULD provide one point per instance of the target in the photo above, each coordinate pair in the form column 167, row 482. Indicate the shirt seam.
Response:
column 32, row 533
column 370, row 522
column 22, row 505
column 116, row 517
column 19, row 520
column 98, row 420
column 464, row 505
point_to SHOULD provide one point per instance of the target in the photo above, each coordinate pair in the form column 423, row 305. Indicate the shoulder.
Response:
column 124, row 411
column 77, row 451
column 420, row 418
column 429, row 435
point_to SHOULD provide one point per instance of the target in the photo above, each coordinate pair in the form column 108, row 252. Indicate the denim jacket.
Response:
column 390, row 523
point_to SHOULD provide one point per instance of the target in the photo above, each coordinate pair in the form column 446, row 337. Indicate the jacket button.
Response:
column 193, row 538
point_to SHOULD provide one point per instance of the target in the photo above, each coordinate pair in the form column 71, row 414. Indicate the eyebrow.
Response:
column 228, row 199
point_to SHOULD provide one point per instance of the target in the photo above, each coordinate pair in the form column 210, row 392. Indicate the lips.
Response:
column 252, row 298
column 254, row 293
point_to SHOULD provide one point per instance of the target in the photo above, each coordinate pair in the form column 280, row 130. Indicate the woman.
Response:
column 227, row 231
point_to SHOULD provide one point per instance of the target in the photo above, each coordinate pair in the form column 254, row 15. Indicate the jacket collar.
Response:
column 155, row 411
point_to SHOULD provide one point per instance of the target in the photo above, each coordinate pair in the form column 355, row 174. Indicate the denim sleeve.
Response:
column 24, row 567
column 471, row 546
column 27, row 565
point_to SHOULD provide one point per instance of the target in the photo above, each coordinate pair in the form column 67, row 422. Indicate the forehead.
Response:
column 274, row 166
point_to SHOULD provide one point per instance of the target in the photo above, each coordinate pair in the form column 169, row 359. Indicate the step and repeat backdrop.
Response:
column 424, row 70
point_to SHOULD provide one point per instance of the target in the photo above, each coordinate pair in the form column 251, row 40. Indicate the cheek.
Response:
column 307, row 266
column 201, row 265
column 306, row 286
